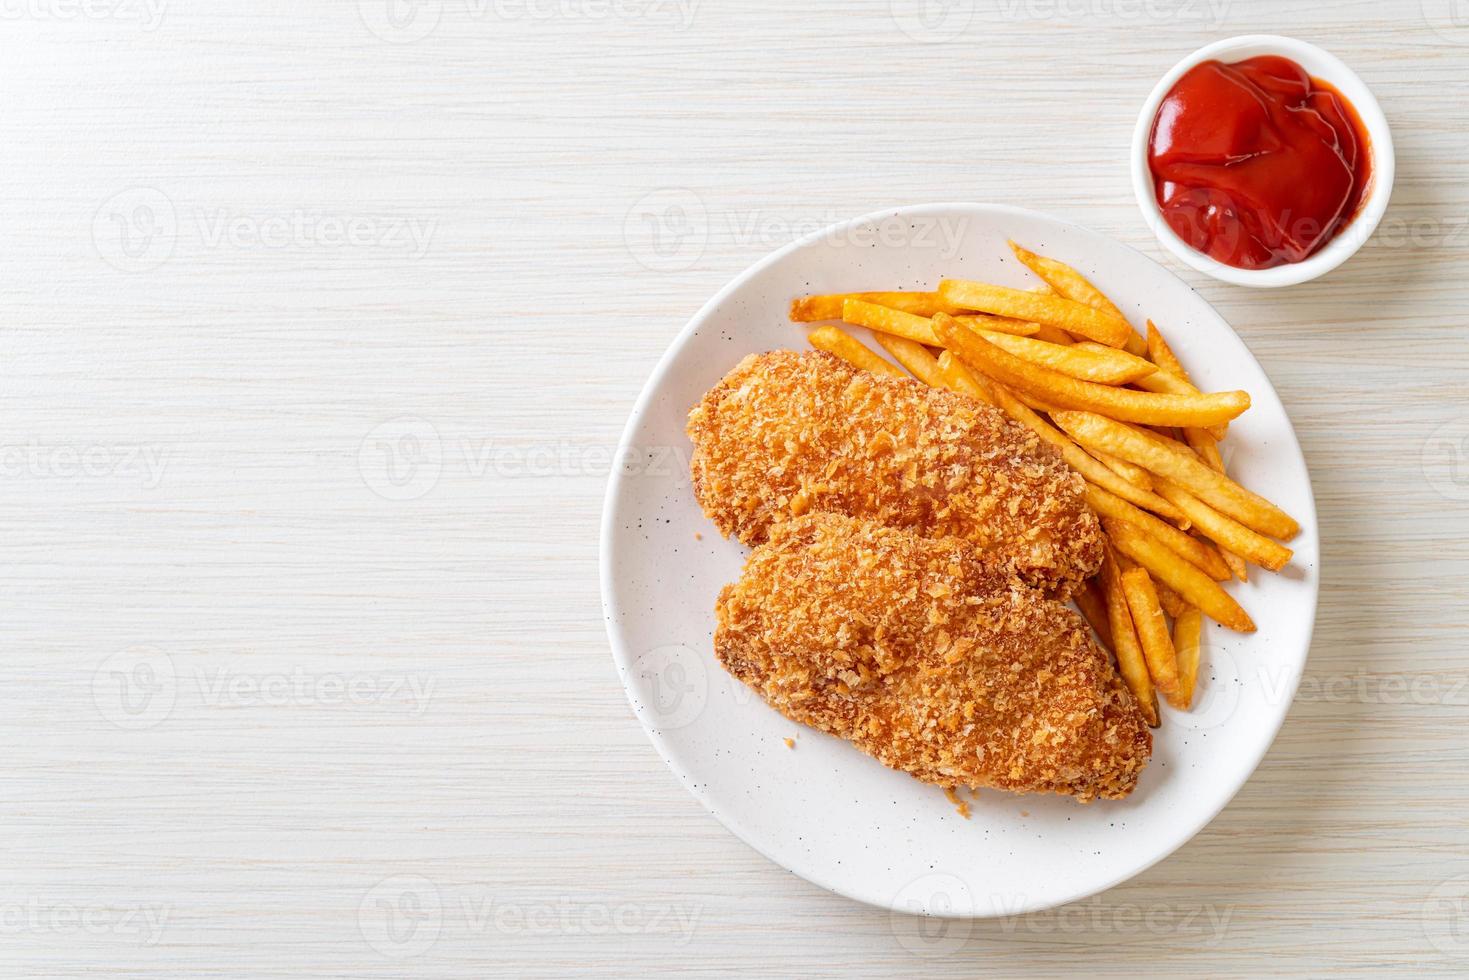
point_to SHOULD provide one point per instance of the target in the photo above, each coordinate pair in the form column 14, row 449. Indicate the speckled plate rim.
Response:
column 624, row 660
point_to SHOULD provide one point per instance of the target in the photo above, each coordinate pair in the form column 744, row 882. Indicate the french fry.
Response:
column 1072, row 285
column 808, row 309
column 1112, row 368
column 1131, row 663
column 1048, row 333
column 954, row 376
column 1216, row 556
column 1170, row 377
column 911, row 326
column 885, row 319
column 1187, row 627
column 1161, row 354
column 1237, row 566
column 1172, row 604
column 1074, row 318
column 1195, row 551
column 1036, row 403
column 1056, row 388
column 1228, row 533
column 1152, row 630
column 835, row 340
column 1064, row 280
column 1077, row 458
column 1001, row 324
column 1196, row 588
column 1093, row 608
column 1207, row 448
column 1165, row 382
column 912, row 355
column 1162, row 438
column 1130, row 472
column 1055, row 335
column 1182, row 467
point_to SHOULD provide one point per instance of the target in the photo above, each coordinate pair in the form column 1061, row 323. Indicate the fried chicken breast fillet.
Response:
column 932, row 658
column 786, row 433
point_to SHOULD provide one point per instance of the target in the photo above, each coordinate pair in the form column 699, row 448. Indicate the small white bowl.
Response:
column 1318, row 64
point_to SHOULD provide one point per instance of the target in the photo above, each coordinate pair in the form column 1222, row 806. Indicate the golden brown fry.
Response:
column 1131, row 663
column 1161, row 354
column 1063, row 279
column 1216, row 556
column 1237, row 566
column 1180, row 466
column 1187, row 628
column 1073, row 317
column 1152, row 630
column 1071, row 284
column 1196, row 588
column 1114, row 367
column 807, row 309
column 1123, row 562
column 835, row 340
column 1172, row 380
column 1078, row 459
column 1093, row 608
column 1056, row 388
column 1173, row 605
column 1207, row 448
column 885, row 319
column 1130, row 472
column 954, row 376
column 1230, row 534
column 1110, row 505
column 1162, row 438
column 913, row 356
column 1055, row 335
column 1036, row 403
column 1164, row 382
column 910, row 326
column 1001, row 324
column 1048, row 333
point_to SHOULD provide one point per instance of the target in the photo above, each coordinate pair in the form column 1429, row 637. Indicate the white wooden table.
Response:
column 321, row 322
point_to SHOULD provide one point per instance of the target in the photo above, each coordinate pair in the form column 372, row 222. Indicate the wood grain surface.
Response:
column 321, row 323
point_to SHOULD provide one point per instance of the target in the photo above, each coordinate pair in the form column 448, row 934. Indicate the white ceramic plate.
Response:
column 823, row 809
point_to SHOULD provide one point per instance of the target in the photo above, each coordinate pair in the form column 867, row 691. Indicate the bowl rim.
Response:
column 1320, row 64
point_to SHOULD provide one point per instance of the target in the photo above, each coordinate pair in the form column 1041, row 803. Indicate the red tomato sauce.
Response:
column 1257, row 164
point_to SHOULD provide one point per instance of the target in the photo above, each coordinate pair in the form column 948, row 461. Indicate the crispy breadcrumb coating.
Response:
column 931, row 658
column 786, row 433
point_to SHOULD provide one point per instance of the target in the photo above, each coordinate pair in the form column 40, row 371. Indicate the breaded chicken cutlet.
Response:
column 931, row 658
column 786, row 433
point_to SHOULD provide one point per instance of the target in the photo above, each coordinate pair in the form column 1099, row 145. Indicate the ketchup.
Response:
column 1257, row 164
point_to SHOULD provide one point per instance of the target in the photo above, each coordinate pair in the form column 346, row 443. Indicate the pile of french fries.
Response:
column 1063, row 361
